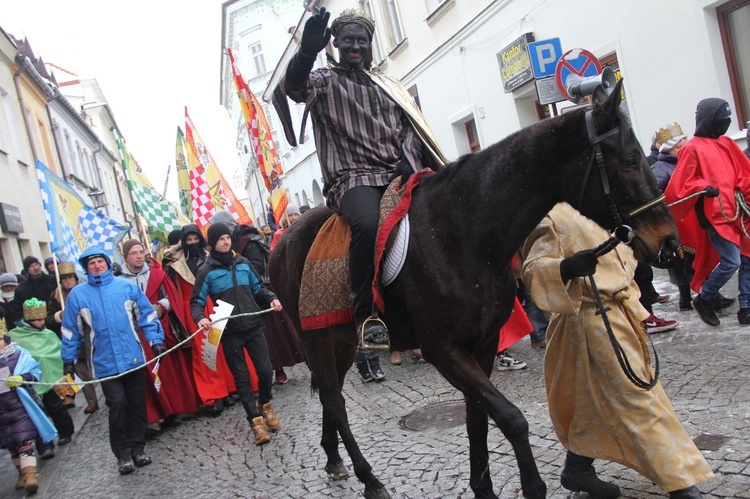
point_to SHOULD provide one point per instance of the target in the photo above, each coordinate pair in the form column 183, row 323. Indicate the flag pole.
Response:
column 138, row 221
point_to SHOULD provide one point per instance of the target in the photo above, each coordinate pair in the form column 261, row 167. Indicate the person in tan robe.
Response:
column 596, row 411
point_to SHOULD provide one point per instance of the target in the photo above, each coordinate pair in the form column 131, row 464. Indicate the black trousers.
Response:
column 56, row 410
column 126, row 399
column 644, row 275
column 360, row 207
column 253, row 341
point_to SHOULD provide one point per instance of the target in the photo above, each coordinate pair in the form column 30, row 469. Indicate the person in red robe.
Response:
column 181, row 262
column 170, row 391
column 713, row 162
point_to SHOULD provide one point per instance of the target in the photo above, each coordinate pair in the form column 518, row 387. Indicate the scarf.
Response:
column 224, row 259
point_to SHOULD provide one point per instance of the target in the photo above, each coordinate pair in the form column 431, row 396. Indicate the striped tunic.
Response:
column 360, row 133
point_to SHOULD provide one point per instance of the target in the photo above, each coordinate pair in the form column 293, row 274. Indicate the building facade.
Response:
column 449, row 54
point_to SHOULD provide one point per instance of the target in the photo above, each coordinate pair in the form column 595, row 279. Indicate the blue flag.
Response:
column 74, row 226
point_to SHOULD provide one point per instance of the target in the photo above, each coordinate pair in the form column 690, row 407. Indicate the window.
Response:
column 391, row 23
column 377, row 52
column 394, row 27
column 734, row 25
column 13, row 127
column 259, row 62
column 472, row 135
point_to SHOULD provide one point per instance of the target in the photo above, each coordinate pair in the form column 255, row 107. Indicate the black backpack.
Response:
column 248, row 243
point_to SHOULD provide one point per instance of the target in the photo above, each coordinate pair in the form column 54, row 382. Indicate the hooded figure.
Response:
column 712, row 118
column 706, row 223
column 195, row 252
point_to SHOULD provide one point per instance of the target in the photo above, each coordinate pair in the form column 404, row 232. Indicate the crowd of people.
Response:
column 58, row 328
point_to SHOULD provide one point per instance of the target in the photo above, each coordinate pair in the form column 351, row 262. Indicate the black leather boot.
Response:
column 579, row 475
column 688, row 493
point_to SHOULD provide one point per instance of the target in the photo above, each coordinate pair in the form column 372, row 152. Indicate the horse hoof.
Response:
column 380, row 493
column 337, row 471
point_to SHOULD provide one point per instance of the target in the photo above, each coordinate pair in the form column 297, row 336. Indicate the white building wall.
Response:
column 668, row 66
column 20, row 187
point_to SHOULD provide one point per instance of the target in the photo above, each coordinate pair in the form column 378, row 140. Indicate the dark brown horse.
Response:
column 456, row 288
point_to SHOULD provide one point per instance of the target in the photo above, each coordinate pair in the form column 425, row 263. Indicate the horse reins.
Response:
column 623, row 233
column 598, row 158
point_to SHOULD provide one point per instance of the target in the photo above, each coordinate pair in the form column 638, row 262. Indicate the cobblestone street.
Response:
column 705, row 371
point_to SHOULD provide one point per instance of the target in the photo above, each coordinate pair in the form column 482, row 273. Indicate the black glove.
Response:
column 711, row 191
column 69, row 368
column 316, row 34
column 158, row 348
column 581, row 264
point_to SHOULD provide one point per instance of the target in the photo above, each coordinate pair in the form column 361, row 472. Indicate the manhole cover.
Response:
column 436, row 416
column 706, row 441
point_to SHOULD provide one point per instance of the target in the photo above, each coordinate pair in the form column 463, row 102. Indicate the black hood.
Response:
column 711, row 118
column 192, row 229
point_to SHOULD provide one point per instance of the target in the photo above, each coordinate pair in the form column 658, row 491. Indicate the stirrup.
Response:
column 363, row 345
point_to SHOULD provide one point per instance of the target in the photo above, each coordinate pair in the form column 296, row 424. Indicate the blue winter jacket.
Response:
column 663, row 169
column 109, row 309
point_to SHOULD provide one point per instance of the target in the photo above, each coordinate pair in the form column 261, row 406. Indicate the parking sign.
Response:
column 544, row 55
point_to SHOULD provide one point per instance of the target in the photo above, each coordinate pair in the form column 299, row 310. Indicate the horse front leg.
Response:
column 330, row 443
column 329, row 356
column 464, row 372
column 476, row 427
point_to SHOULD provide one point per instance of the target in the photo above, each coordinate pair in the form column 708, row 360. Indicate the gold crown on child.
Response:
column 669, row 132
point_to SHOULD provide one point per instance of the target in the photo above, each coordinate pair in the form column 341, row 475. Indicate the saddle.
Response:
column 325, row 291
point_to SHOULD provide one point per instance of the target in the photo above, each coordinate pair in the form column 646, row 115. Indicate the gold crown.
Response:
column 66, row 268
column 669, row 132
column 34, row 309
column 3, row 326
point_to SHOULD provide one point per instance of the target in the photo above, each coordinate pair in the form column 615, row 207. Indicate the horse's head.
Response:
column 616, row 186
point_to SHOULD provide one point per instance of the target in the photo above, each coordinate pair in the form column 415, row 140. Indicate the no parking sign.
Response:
column 575, row 65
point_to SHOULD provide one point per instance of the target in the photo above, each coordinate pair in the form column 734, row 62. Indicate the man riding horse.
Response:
column 365, row 126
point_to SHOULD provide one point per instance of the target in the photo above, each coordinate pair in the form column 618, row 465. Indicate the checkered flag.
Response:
column 72, row 225
column 202, row 204
column 160, row 214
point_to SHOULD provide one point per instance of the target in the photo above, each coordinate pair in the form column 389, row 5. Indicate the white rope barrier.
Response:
column 155, row 359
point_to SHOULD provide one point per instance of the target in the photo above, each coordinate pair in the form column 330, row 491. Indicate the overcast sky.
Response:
column 151, row 58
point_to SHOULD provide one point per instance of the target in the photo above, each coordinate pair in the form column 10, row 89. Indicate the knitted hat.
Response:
column 8, row 279
column 670, row 136
column 66, row 268
column 224, row 217
column 128, row 245
column 174, row 237
column 291, row 209
column 34, row 309
column 29, row 261
column 48, row 260
column 216, row 231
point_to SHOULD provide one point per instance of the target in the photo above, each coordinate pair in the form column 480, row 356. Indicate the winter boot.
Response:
column 579, row 475
column 21, row 482
column 688, row 493
column 743, row 316
column 260, row 431
column 686, row 298
column 31, row 485
column 270, row 418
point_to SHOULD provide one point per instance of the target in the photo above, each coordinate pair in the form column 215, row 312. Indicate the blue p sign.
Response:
column 544, row 56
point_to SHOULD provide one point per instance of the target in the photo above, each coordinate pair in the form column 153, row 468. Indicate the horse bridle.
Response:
column 622, row 231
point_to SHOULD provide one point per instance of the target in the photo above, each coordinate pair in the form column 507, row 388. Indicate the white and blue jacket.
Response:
column 106, row 313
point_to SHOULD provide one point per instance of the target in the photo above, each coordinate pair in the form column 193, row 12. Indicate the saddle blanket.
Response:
column 325, row 291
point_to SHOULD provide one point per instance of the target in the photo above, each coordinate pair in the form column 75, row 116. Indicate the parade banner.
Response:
column 74, row 226
column 262, row 142
column 209, row 191
column 183, row 176
column 211, row 340
column 160, row 215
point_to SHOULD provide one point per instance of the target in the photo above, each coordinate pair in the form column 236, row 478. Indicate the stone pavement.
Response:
column 705, row 371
